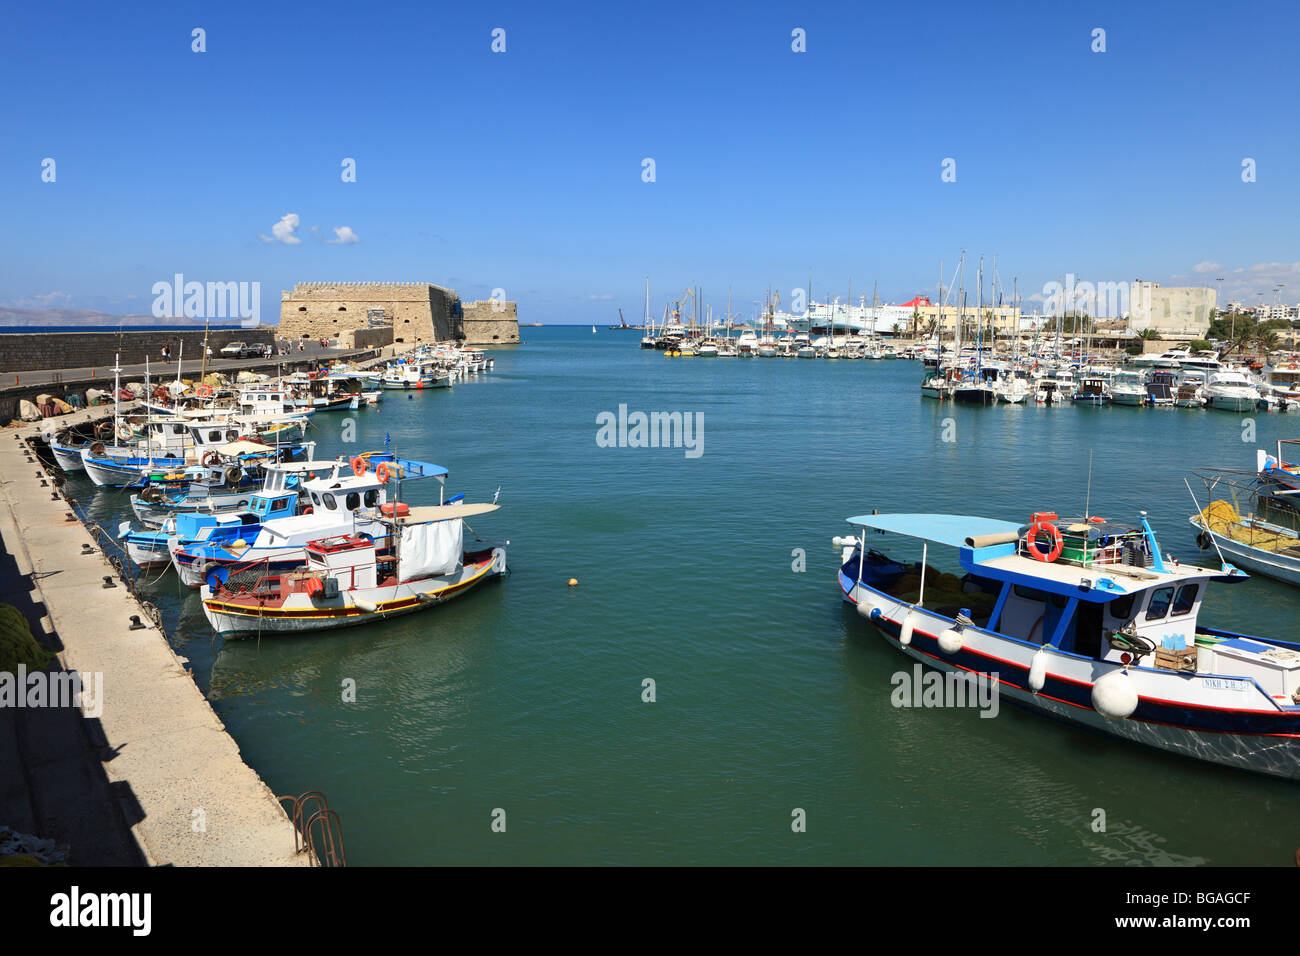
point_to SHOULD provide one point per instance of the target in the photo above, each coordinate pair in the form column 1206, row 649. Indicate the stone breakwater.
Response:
column 24, row 351
column 184, row 791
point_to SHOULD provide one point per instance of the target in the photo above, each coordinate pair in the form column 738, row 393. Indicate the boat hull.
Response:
column 1230, row 725
column 242, row 616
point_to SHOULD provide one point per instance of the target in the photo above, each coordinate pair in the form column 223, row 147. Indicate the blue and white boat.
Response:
column 337, row 505
column 1086, row 621
column 153, row 547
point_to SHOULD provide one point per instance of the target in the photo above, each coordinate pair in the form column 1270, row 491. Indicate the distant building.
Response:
column 1171, row 310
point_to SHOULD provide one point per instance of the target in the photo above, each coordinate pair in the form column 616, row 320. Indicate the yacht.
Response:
column 1231, row 391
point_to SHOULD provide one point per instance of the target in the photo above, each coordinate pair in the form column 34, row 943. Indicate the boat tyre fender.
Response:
column 1051, row 530
column 151, row 495
column 1203, row 541
column 214, row 575
column 97, row 449
column 233, row 474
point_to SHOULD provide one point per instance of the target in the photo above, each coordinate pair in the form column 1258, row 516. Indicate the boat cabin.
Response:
column 348, row 560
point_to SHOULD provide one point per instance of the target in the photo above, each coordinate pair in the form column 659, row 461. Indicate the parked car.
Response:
column 235, row 350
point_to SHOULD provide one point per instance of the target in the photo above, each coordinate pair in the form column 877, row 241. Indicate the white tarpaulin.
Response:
column 424, row 550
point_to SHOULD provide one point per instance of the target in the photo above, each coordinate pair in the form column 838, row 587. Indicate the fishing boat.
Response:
column 339, row 501
column 347, row 581
column 1252, row 518
column 1277, row 468
column 1086, row 621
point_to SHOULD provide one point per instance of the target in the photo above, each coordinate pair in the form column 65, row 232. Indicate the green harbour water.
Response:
column 771, row 695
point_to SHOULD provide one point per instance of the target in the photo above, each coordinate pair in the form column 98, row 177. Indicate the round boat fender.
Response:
column 1052, row 531
column 950, row 640
column 868, row 610
column 905, row 630
column 1115, row 696
column 1038, row 670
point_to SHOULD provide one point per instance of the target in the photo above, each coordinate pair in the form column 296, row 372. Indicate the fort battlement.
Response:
column 412, row 312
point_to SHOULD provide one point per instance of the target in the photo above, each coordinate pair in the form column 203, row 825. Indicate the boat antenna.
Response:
column 1087, row 501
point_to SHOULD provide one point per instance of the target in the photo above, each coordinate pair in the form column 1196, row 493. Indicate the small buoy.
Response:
column 573, row 582
column 865, row 607
column 905, row 631
column 1115, row 696
column 1038, row 670
column 950, row 640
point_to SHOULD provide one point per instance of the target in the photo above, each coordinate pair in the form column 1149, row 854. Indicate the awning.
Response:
column 424, row 513
column 952, row 530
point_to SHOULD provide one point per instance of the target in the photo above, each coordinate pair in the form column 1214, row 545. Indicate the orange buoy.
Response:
column 358, row 466
column 382, row 472
column 573, row 582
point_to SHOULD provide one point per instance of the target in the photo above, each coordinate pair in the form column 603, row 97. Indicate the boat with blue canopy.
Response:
column 1085, row 620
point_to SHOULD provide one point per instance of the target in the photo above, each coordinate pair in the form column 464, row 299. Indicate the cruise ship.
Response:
column 831, row 318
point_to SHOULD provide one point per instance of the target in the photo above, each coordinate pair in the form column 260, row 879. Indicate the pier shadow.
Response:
column 53, row 784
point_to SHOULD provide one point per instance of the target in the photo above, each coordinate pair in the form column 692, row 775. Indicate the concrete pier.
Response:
column 179, row 787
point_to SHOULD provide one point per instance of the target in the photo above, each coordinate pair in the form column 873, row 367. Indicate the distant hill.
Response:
column 12, row 319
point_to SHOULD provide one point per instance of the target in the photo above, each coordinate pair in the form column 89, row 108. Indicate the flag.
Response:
column 388, row 439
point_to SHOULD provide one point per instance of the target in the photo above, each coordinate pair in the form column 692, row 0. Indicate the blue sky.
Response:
column 523, row 170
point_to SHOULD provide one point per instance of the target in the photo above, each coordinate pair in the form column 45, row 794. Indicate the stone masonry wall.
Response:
column 419, row 311
column 38, row 351
column 485, row 325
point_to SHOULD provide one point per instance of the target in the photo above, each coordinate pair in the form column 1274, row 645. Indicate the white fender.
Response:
column 865, row 607
column 905, row 631
column 1038, row 670
column 1115, row 696
column 950, row 640
column 363, row 605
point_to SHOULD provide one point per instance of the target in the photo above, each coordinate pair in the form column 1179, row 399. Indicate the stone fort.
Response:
column 371, row 314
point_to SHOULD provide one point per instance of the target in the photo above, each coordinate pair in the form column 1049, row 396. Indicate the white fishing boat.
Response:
column 1088, row 622
column 1252, row 519
column 347, row 581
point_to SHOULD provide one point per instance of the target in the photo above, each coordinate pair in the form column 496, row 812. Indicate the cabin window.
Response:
column 353, row 501
column 315, row 499
column 214, row 436
column 330, row 503
column 1186, row 599
column 1122, row 608
column 1159, row 605
column 372, row 498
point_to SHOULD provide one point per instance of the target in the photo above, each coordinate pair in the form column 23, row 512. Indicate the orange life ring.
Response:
column 205, row 391
column 358, row 466
column 382, row 472
column 1031, row 541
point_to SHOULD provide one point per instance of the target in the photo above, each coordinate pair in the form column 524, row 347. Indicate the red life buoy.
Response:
column 1031, row 541
column 382, row 472
column 358, row 466
column 205, row 391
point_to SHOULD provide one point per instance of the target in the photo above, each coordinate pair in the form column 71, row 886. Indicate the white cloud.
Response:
column 345, row 236
column 594, row 296
column 1203, row 267
column 282, row 231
